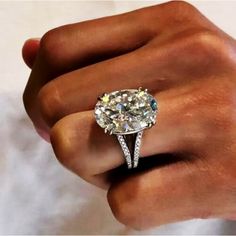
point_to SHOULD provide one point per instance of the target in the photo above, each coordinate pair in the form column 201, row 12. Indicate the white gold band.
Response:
column 131, row 158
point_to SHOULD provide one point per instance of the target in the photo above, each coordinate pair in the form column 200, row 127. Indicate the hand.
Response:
column 189, row 65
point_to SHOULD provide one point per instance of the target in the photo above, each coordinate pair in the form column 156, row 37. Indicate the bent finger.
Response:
column 30, row 50
column 74, row 46
column 176, row 192
column 83, row 147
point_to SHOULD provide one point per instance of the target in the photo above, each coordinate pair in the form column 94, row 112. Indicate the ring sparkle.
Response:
column 126, row 112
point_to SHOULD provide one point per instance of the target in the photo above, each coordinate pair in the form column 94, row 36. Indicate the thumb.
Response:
column 29, row 51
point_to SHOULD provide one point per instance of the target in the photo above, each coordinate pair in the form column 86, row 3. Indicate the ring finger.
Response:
column 83, row 147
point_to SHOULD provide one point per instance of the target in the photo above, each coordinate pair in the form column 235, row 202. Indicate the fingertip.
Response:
column 29, row 51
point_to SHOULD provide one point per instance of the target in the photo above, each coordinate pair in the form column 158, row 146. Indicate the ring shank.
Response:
column 130, row 145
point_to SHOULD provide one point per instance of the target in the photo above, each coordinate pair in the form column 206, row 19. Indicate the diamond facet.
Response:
column 126, row 111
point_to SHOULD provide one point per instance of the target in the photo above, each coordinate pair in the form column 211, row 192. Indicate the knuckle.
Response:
column 179, row 4
column 195, row 53
column 68, row 151
column 60, row 142
column 50, row 103
column 206, row 40
column 207, row 50
column 201, row 52
column 195, row 133
column 213, row 107
column 117, row 205
column 222, row 100
column 51, row 46
column 179, row 10
column 172, row 13
column 124, row 201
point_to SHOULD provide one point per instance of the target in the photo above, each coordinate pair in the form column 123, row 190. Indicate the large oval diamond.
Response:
column 126, row 111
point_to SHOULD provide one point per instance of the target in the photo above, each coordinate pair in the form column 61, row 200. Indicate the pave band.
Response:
column 126, row 113
column 131, row 162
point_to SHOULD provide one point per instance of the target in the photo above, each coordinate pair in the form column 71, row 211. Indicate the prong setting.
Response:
column 126, row 112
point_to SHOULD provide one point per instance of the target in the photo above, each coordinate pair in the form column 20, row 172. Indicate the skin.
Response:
column 188, row 159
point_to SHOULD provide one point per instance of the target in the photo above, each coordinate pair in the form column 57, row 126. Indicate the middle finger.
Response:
column 147, row 67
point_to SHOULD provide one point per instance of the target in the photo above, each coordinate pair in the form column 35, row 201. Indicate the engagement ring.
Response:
column 126, row 113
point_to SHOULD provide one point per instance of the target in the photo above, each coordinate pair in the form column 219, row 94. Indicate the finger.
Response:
column 73, row 46
column 30, row 50
column 83, row 147
column 76, row 91
column 176, row 192
column 29, row 54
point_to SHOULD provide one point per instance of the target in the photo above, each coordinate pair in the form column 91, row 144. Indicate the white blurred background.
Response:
column 37, row 195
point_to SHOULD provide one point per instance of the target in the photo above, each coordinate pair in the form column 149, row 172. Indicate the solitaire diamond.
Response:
column 126, row 111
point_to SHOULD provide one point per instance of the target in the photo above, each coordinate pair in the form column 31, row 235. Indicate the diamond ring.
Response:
column 126, row 113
